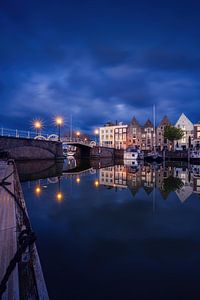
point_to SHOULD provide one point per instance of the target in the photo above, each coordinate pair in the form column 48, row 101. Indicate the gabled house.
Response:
column 161, row 142
column 188, row 129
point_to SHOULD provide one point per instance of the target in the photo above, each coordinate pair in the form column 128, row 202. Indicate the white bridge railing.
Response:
column 44, row 136
column 20, row 133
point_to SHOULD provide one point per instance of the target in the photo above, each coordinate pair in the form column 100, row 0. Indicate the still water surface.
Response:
column 119, row 233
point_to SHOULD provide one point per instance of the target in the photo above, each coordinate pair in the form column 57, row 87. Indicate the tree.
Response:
column 173, row 133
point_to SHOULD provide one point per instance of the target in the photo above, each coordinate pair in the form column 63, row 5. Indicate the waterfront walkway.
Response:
column 8, row 229
column 21, row 275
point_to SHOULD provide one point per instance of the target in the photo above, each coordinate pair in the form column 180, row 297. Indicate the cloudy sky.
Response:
column 98, row 60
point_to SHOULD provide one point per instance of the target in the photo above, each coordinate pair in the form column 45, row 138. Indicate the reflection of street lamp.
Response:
column 37, row 124
column 38, row 190
column 59, row 123
column 78, row 180
column 96, row 134
column 59, row 194
column 96, row 183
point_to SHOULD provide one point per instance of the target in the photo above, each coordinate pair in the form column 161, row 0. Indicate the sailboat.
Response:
column 154, row 155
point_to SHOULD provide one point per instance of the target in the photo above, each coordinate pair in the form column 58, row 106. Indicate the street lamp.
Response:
column 59, row 122
column 37, row 124
column 96, row 134
column 78, row 134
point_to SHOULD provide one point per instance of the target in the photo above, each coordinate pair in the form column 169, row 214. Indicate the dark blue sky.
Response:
column 98, row 60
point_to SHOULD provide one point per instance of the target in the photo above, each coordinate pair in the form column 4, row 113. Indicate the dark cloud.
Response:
column 98, row 60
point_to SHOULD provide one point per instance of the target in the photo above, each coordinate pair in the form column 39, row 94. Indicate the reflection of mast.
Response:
column 71, row 127
column 154, row 189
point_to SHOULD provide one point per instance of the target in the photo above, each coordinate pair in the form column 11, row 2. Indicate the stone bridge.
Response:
column 27, row 149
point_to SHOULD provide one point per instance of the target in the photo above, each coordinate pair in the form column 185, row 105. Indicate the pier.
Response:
column 21, row 275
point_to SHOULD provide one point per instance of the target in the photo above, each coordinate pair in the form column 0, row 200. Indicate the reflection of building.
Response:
column 113, row 136
column 165, row 179
column 187, row 188
column 187, row 127
column 114, row 176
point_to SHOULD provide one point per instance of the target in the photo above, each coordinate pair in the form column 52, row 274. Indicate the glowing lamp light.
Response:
column 78, row 133
column 59, row 121
column 78, row 180
column 59, row 196
column 96, row 131
column 96, row 183
column 38, row 190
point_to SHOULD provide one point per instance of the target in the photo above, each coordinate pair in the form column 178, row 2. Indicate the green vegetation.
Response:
column 173, row 133
column 172, row 184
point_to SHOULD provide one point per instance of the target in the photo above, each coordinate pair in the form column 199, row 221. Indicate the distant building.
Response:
column 134, row 133
column 161, row 142
column 113, row 136
column 196, row 138
column 147, row 136
column 188, row 128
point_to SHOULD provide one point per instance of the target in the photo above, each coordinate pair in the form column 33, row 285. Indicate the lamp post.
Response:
column 59, row 123
column 96, row 134
column 37, row 125
column 78, row 134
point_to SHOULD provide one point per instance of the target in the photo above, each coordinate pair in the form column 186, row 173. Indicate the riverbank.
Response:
column 20, row 270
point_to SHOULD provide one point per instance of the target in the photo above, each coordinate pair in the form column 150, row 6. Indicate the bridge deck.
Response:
column 8, row 240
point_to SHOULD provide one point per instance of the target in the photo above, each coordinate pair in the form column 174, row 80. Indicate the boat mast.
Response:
column 154, row 128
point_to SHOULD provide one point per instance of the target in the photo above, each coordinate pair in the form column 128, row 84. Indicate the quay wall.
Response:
column 27, row 149
column 105, row 152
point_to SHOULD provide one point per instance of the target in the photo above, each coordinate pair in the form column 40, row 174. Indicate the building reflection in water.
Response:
column 183, row 180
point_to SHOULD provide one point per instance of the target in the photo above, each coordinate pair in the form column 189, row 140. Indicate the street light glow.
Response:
column 78, row 133
column 96, row 131
column 37, row 124
column 59, row 121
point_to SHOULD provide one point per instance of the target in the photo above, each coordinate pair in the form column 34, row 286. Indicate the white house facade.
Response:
column 188, row 129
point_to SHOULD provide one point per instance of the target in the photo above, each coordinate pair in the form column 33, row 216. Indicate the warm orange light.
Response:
column 37, row 124
column 96, row 183
column 59, row 121
column 59, row 196
column 96, row 131
column 78, row 180
column 38, row 190
column 78, row 133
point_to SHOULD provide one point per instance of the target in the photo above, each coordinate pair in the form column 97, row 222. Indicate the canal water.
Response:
column 119, row 232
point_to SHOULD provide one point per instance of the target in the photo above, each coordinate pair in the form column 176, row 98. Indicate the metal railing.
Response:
column 20, row 133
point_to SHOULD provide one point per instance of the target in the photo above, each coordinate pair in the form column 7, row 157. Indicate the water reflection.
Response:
column 137, row 226
column 183, row 180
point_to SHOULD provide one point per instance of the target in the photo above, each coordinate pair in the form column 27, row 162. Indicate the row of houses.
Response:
column 121, row 136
